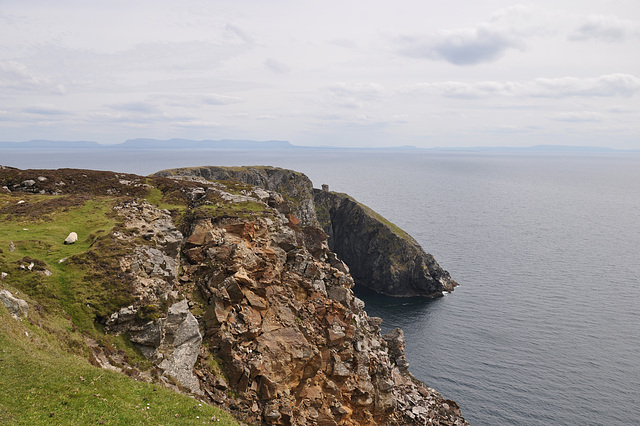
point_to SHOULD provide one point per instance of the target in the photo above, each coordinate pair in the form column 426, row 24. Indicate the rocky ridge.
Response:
column 380, row 256
column 235, row 299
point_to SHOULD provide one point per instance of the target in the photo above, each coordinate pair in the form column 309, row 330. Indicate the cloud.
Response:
column 609, row 85
column 139, row 107
column 469, row 46
column 238, row 33
column 486, row 42
column 355, row 95
column 509, row 129
column 218, row 99
column 276, row 66
column 15, row 75
column 365, row 91
column 578, row 117
column 606, row 28
column 44, row 109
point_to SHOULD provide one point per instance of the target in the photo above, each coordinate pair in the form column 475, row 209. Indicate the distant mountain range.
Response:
column 169, row 144
column 150, row 144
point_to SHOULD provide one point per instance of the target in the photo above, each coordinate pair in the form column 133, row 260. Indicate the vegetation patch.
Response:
column 42, row 385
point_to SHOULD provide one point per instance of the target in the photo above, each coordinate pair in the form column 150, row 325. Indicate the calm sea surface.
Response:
column 545, row 327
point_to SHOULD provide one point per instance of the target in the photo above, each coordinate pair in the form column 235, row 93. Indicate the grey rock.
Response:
column 181, row 345
column 150, row 334
column 396, row 344
column 17, row 307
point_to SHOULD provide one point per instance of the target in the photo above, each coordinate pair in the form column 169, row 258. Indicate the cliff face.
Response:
column 380, row 255
column 225, row 292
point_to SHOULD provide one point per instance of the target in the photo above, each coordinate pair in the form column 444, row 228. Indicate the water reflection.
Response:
column 403, row 312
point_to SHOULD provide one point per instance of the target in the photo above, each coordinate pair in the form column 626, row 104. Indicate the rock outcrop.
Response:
column 380, row 256
column 17, row 307
column 294, row 342
column 294, row 186
column 169, row 337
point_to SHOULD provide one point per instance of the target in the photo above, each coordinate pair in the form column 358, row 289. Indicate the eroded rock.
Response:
column 17, row 307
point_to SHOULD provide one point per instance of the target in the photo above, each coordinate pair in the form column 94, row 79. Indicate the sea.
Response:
column 544, row 328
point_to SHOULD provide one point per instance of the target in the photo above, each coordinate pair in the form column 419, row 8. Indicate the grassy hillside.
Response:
column 46, row 376
column 41, row 383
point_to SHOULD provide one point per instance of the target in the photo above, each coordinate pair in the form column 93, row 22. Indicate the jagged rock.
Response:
column 17, row 307
column 396, row 344
column 180, row 345
column 292, row 337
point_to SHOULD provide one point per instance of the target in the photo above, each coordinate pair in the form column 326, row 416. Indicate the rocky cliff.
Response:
column 380, row 255
column 224, row 290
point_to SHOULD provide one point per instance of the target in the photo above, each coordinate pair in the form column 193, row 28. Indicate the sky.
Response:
column 430, row 73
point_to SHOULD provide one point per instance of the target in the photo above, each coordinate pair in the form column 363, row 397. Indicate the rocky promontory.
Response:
column 226, row 287
column 380, row 255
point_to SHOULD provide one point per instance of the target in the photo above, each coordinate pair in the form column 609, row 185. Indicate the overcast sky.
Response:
column 347, row 73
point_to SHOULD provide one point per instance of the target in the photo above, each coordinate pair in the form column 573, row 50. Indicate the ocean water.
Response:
column 545, row 327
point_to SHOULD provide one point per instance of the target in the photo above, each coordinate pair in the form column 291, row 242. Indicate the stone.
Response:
column 181, row 345
column 271, row 413
column 396, row 344
column 17, row 307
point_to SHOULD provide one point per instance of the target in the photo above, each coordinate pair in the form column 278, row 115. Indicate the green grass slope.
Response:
column 45, row 372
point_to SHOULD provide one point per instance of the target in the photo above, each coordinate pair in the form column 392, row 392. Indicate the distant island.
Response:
column 228, row 144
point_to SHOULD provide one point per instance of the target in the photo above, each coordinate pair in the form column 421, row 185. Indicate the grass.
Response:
column 56, row 283
column 45, row 375
column 42, row 385
column 373, row 214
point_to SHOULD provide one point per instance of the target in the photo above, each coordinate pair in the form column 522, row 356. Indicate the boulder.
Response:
column 17, row 307
column 181, row 345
